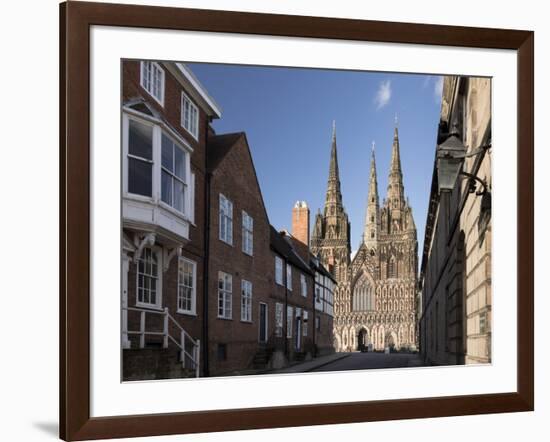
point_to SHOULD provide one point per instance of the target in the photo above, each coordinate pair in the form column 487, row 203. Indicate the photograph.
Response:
column 280, row 220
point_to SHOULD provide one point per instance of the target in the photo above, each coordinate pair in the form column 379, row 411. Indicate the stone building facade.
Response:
column 455, row 274
column 374, row 305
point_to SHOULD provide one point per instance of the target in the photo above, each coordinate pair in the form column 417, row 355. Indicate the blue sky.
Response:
column 287, row 115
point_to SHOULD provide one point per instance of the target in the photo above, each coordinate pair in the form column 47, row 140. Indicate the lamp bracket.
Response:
column 473, row 179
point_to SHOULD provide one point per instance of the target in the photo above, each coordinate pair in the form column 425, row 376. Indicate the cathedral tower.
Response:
column 374, row 301
column 330, row 238
column 372, row 216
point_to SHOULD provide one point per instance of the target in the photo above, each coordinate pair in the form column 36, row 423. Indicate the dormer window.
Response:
column 152, row 80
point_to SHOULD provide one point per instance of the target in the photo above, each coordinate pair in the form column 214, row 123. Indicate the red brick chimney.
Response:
column 300, row 222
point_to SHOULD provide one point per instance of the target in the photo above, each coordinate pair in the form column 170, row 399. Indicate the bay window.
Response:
column 140, row 158
column 173, row 174
column 157, row 166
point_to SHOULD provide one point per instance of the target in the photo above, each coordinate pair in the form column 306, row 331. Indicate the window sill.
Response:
column 246, row 322
column 186, row 312
column 150, row 307
column 225, row 319
column 225, row 242
column 170, row 209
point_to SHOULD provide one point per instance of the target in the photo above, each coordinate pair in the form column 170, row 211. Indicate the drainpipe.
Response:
column 285, row 331
column 205, row 341
column 314, row 313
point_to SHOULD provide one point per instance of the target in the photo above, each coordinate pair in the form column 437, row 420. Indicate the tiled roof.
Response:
column 218, row 147
column 316, row 264
column 284, row 248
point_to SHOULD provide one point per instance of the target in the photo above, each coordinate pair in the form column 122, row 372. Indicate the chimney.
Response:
column 300, row 222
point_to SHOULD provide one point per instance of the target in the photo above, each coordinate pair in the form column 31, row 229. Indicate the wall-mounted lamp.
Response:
column 450, row 157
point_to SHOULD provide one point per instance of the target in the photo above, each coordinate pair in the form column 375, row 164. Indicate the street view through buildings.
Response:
column 212, row 287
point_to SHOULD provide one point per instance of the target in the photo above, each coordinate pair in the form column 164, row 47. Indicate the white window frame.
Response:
column 225, row 219
column 247, row 233
column 279, row 319
column 129, row 156
column 289, row 277
column 157, row 305
column 158, row 129
column 192, row 126
column 155, row 68
column 181, row 284
column 279, row 270
column 289, row 315
column 185, row 181
column 246, row 301
column 225, row 295
column 303, row 285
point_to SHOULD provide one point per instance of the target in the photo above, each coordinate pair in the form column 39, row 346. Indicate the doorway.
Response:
column 263, row 323
column 362, row 340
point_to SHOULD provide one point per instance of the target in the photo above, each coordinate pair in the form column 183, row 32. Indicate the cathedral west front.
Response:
column 374, row 303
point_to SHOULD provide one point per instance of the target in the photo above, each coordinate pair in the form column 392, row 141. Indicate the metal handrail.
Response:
column 195, row 357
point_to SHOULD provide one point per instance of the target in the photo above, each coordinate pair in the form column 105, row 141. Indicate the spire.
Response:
column 396, row 193
column 331, row 234
column 370, row 232
column 334, row 173
column 395, row 156
column 395, row 180
column 334, row 196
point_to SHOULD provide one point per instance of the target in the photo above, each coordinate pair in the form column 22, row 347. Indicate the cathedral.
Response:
column 374, row 303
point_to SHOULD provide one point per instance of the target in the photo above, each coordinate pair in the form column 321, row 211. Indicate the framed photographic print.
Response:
column 275, row 220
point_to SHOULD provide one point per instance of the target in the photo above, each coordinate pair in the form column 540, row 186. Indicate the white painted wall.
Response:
column 28, row 179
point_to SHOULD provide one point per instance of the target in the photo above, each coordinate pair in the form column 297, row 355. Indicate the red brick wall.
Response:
column 195, row 248
column 235, row 179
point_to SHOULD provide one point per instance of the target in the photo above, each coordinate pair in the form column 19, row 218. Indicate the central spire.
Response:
column 396, row 192
column 370, row 232
column 334, row 173
column 333, row 198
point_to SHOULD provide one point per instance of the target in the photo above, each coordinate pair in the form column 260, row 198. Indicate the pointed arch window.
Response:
column 363, row 295
column 392, row 268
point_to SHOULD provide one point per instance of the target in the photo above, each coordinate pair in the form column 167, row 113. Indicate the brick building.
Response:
column 165, row 119
column 239, row 258
column 209, row 287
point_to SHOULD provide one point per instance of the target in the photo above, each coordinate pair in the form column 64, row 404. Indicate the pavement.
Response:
column 373, row 360
column 314, row 364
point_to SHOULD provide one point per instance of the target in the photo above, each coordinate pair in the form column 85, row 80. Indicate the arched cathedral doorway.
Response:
column 362, row 340
column 390, row 341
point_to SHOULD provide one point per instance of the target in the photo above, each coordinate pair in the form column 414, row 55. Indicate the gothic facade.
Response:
column 374, row 302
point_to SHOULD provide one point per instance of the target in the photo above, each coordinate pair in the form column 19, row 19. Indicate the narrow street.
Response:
column 362, row 361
